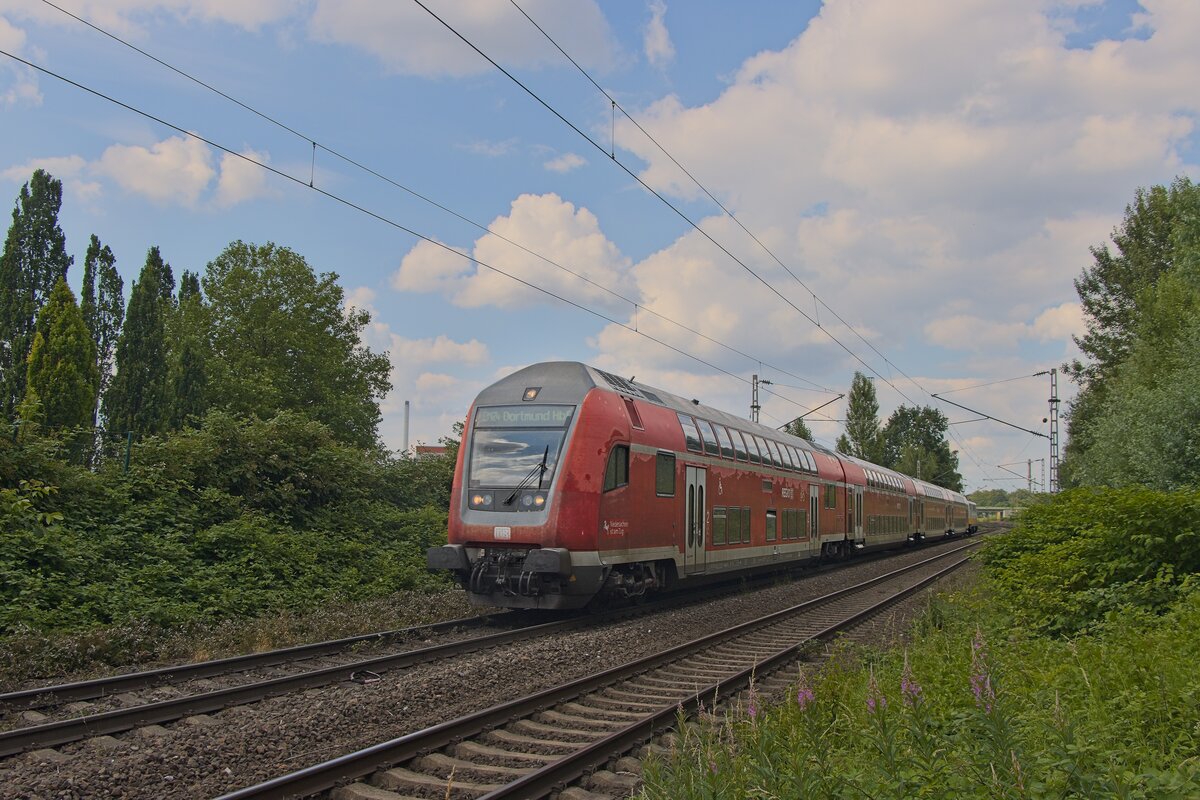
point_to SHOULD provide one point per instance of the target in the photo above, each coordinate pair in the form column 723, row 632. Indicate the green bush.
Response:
column 1086, row 554
column 235, row 518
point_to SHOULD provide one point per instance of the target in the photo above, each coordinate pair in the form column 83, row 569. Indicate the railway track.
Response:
column 544, row 742
column 134, row 700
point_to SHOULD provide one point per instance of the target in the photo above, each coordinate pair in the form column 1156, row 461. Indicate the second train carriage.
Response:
column 573, row 483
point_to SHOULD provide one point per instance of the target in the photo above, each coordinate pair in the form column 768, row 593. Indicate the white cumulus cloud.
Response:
column 656, row 40
column 406, row 39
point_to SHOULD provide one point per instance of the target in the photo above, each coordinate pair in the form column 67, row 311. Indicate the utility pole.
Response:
column 1029, row 473
column 1054, row 430
column 754, row 406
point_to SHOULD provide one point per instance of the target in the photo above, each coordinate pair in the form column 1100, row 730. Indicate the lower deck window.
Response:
column 664, row 475
column 772, row 524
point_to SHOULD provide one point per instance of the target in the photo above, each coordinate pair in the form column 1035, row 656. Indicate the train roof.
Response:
column 569, row 381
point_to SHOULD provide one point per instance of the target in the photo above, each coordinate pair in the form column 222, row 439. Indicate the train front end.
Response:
column 522, row 521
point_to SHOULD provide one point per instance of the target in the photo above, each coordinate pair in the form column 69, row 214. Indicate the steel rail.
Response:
column 329, row 774
column 70, row 730
column 115, row 684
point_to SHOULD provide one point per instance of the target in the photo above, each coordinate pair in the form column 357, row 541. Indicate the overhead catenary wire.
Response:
column 428, row 200
column 696, row 226
column 377, row 216
column 815, row 318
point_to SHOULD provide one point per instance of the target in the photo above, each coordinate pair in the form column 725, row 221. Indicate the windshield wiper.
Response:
column 539, row 470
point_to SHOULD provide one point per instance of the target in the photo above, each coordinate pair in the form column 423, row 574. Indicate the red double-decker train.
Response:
column 573, row 485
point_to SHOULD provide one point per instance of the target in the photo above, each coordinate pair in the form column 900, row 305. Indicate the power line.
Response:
column 422, row 197
column 377, row 216
column 545, row 104
column 665, row 201
column 989, row 383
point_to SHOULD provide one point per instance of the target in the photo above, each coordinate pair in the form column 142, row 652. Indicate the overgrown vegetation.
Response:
column 972, row 708
column 233, row 518
column 1070, row 672
column 256, row 485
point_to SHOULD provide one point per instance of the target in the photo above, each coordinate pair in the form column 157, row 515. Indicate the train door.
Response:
column 695, row 521
column 814, row 508
column 858, row 512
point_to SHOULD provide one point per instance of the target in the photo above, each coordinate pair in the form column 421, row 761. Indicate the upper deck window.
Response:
column 739, row 446
column 710, row 438
column 690, row 434
column 726, row 442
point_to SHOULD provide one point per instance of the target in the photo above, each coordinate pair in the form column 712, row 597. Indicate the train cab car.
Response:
column 574, row 485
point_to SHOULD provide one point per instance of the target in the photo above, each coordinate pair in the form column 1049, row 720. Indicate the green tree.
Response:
column 1158, row 232
column 798, row 428
column 188, row 334
column 861, row 438
column 914, row 441
column 33, row 261
column 281, row 340
column 1131, row 420
column 103, row 308
column 137, row 397
column 61, row 378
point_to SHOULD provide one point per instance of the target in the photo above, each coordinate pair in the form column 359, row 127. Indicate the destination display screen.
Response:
column 528, row 416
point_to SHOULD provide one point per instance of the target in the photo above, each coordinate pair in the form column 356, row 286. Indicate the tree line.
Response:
column 912, row 441
column 1136, row 416
column 257, row 333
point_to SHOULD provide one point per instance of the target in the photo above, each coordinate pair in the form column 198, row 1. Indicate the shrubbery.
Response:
column 234, row 518
column 972, row 709
column 1070, row 672
column 1085, row 554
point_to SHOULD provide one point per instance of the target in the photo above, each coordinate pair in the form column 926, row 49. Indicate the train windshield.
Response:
column 509, row 443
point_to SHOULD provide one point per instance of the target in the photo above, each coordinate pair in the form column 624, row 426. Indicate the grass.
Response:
column 973, row 707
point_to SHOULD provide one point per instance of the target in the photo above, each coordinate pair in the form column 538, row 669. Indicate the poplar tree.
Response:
column 61, row 377
column 861, row 438
column 137, row 397
column 33, row 261
column 103, row 308
column 188, row 330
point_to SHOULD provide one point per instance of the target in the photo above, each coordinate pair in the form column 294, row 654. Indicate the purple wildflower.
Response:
column 752, row 704
column 981, row 679
column 875, row 698
column 712, row 766
column 804, row 695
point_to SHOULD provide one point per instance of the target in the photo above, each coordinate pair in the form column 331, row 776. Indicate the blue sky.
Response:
column 934, row 172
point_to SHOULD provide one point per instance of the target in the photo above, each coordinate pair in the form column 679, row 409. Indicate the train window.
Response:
column 812, row 462
column 710, row 439
column 664, row 475
column 734, row 525
column 690, row 433
column 739, row 445
column 726, row 442
column 617, row 473
column 635, row 419
column 772, row 524
column 789, row 455
column 718, row 519
column 802, row 524
column 752, row 448
column 831, row 496
column 777, row 455
column 745, row 524
column 770, row 457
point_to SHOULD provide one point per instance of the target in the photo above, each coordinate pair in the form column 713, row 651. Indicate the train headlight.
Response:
column 539, row 500
column 527, row 501
column 481, row 500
